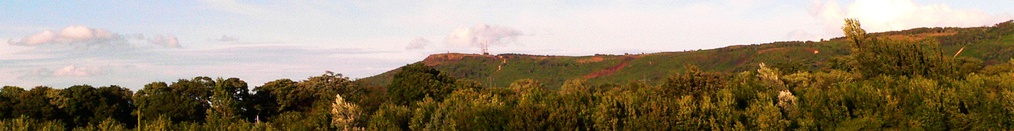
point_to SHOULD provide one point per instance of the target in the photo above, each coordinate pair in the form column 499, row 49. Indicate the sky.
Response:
column 61, row 43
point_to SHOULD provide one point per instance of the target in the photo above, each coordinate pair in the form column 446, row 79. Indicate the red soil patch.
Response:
column 769, row 50
column 783, row 48
column 918, row 37
column 612, row 69
column 437, row 59
column 591, row 60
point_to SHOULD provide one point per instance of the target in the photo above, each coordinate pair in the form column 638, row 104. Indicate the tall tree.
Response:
column 118, row 104
column 230, row 99
column 324, row 87
column 8, row 99
column 691, row 82
column 316, row 92
column 39, row 103
column 855, row 33
column 417, row 81
column 89, row 106
column 272, row 98
column 876, row 56
column 184, row 100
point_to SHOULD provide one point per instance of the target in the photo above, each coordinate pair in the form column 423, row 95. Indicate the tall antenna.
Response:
column 484, row 45
column 485, row 50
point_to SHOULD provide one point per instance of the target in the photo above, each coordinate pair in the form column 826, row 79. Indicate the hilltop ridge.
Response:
column 991, row 45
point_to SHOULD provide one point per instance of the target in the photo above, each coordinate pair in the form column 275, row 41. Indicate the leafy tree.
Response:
column 230, row 99
column 855, row 34
column 184, row 100
column 764, row 114
column 466, row 109
column 416, row 81
column 329, row 84
column 38, row 103
column 531, row 111
column 391, row 117
column 691, row 81
column 317, row 92
column 26, row 123
column 576, row 86
column 529, row 90
column 108, row 124
column 89, row 106
column 160, row 123
column 344, row 114
column 8, row 99
column 275, row 97
column 311, row 120
column 873, row 56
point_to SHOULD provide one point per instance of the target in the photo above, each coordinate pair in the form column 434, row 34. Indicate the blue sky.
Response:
column 132, row 43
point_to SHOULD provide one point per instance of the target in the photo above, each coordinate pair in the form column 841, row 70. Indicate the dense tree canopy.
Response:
column 417, row 81
column 87, row 105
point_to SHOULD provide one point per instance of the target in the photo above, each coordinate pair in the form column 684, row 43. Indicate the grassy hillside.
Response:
column 992, row 45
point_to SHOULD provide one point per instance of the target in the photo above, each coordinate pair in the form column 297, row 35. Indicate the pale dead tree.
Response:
column 344, row 114
column 768, row 74
column 786, row 99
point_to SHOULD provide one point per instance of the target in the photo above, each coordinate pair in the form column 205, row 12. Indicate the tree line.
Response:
column 881, row 84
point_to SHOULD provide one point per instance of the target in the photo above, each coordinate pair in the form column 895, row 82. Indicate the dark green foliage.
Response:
column 417, row 81
column 42, row 103
column 108, row 124
column 183, row 101
column 391, row 118
column 285, row 95
column 89, row 106
column 25, row 123
column 892, row 57
column 276, row 97
column 8, row 99
column 692, row 82
column 306, row 121
column 229, row 99
column 464, row 110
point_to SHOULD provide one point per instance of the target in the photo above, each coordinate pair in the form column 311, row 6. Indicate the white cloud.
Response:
column 77, row 71
column 483, row 36
column 69, row 34
column 889, row 15
column 64, row 71
column 33, row 73
column 224, row 38
column 801, row 35
column 84, row 33
column 36, row 39
column 82, row 37
column 165, row 41
column 417, row 43
column 255, row 63
column 612, row 29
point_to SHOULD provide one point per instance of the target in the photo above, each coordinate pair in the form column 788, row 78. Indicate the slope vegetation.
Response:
column 991, row 45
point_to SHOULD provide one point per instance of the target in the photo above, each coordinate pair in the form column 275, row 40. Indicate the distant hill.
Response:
column 992, row 45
